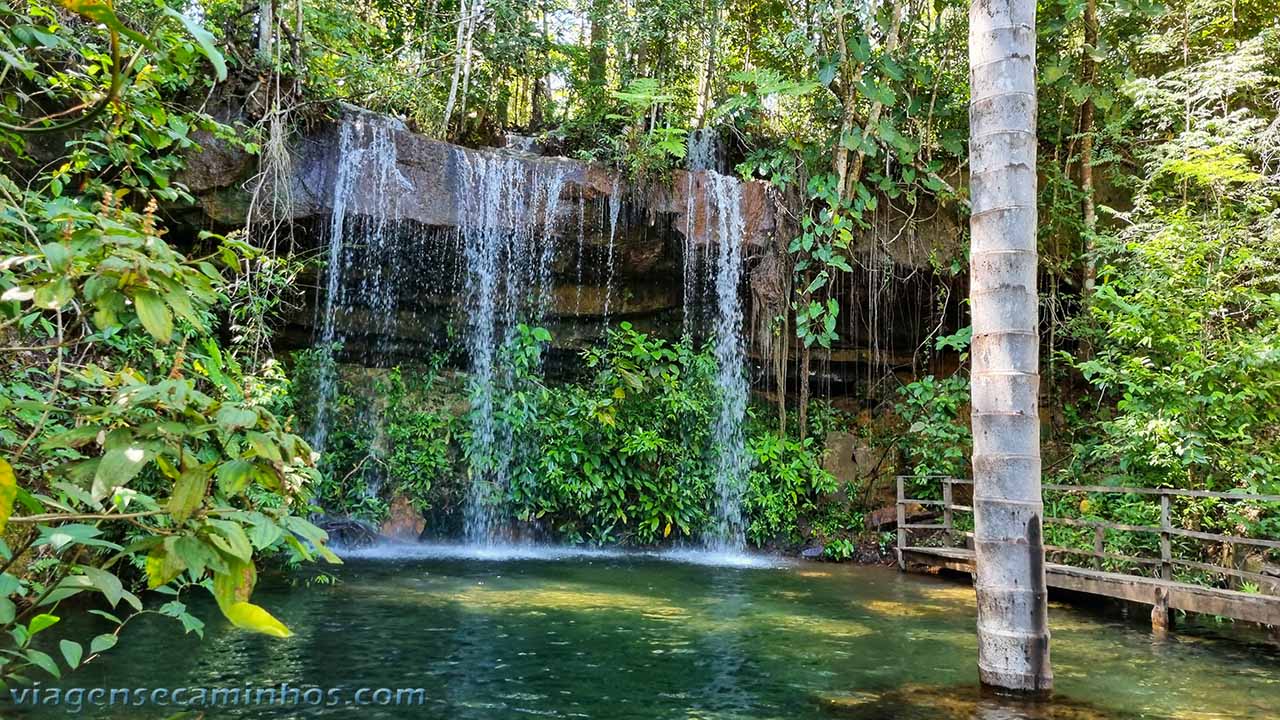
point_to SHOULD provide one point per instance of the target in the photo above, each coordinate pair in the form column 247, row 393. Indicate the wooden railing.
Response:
column 1166, row 531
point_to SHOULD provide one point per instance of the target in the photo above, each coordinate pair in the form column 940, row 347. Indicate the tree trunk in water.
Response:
column 1089, row 71
column 1009, row 576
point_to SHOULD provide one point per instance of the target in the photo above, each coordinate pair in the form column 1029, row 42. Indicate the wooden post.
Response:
column 946, row 511
column 1160, row 620
column 1160, row 612
column 902, row 520
column 1099, row 545
column 1166, row 550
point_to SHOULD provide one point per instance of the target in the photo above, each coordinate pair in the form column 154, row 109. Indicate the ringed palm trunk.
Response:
column 1013, row 634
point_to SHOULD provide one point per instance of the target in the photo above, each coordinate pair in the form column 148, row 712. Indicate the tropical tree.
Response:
column 1013, row 634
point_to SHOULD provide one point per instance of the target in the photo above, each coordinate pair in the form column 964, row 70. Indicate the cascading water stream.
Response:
column 361, row 275
column 724, row 196
column 506, row 216
column 615, row 209
column 717, row 255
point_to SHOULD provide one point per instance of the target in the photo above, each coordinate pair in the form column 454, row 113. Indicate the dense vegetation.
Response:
column 624, row 457
column 149, row 433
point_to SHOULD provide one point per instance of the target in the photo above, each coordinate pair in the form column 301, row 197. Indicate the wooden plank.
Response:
column 902, row 520
column 1243, row 574
column 925, row 526
column 1161, row 491
column 1099, row 555
column 1248, row 607
column 1233, row 539
column 1213, row 537
column 1124, row 490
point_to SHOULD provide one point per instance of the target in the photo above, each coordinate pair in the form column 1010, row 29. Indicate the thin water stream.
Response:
column 576, row 634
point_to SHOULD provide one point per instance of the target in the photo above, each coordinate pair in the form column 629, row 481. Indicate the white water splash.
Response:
column 554, row 553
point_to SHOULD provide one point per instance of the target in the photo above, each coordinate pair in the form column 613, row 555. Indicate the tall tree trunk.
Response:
column 802, row 402
column 459, row 41
column 1089, row 72
column 706, row 80
column 598, row 53
column 1009, row 576
column 266, row 29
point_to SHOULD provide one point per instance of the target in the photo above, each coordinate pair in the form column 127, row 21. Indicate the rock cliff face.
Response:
column 619, row 250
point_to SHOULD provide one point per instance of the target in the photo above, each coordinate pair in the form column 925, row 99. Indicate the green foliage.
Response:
column 784, row 486
column 820, row 251
column 935, row 440
column 391, row 433
column 140, row 454
column 622, row 457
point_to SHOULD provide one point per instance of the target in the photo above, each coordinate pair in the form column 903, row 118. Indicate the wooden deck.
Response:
column 1162, row 593
column 1250, row 607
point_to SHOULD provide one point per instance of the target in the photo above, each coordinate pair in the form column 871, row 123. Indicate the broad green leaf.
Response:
column 252, row 617
column 164, row 564
column 43, row 621
column 73, row 533
column 154, row 315
column 116, row 468
column 71, row 652
column 204, row 39
column 44, row 662
column 102, row 643
column 231, row 538
column 234, row 475
column 106, row 583
column 234, row 417
column 188, row 493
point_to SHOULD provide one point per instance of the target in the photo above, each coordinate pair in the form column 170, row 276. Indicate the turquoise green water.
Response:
column 612, row 636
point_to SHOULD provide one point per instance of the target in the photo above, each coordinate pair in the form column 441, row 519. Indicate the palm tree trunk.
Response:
column 1013, row 634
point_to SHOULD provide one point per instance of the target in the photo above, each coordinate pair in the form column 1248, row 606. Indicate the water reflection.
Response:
column 616, row 637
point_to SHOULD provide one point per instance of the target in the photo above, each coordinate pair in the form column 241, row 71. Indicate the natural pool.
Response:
column 613, row 636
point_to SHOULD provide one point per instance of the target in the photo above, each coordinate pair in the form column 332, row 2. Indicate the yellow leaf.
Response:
column 667, row 531
column 251, row 617
column 1084, row 505
column 619, row 393
column 8, row 491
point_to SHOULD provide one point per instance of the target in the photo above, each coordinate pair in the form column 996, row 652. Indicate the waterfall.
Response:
column 506, row 217
column 703, row 151
column 615, row 208
column 701, row 160
column 361, row 252
column 724, row 206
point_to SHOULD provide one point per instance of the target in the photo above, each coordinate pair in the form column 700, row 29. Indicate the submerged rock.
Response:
column 965, row 702
column 813, row 553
